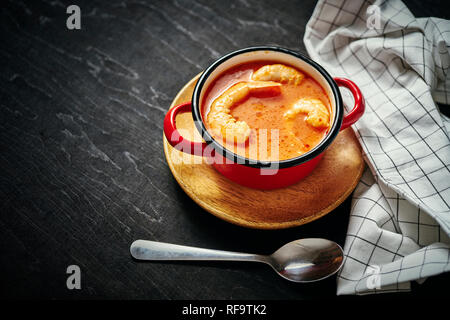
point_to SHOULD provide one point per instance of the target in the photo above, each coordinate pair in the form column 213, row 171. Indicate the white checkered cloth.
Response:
column 400, row 219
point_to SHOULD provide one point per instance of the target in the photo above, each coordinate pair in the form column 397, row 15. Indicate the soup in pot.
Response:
column 266, row 111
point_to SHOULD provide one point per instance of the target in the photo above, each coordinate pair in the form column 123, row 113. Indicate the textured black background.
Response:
column 83, row 171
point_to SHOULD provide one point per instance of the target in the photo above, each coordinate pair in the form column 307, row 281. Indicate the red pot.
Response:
column 263, row 174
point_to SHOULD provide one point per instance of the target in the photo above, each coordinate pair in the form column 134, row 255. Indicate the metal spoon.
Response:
column 304, row 260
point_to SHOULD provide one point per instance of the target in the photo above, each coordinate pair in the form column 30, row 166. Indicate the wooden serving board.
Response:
column 324, row 189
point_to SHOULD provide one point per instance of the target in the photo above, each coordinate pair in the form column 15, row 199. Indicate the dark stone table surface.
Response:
column 83, row 172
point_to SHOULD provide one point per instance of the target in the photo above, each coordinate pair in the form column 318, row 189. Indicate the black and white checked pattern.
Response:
column 400, row 220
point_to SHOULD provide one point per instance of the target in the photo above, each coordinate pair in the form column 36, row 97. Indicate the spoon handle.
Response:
column 152, row 250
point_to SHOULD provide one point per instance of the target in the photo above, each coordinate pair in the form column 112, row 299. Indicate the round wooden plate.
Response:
column 324, row 189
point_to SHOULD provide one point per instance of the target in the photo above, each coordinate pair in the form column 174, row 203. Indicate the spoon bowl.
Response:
column 305, row 260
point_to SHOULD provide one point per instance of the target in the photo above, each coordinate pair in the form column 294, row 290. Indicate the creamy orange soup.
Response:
column 271, row 137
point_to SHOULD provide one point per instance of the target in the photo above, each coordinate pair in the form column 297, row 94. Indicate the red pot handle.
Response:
column 360, row 105
column 175, row 139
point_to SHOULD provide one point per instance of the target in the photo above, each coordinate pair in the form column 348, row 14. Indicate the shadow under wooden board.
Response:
column 323, row 190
